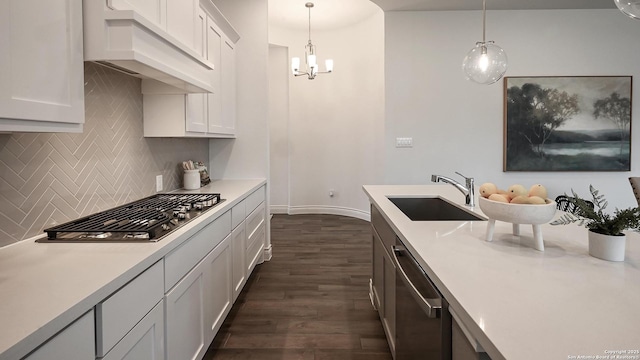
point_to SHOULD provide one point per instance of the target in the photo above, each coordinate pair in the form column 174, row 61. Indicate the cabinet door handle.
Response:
column 431, row 306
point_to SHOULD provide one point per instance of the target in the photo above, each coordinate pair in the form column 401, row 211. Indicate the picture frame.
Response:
column 567, row 123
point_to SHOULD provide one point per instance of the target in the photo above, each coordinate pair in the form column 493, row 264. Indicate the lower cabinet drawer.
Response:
column 254, row 251
column 76, row 342
column 253, row 223
column 254, row 199
column 145, row 341
column 238, row 214
column 120, row 312
column 182, row 259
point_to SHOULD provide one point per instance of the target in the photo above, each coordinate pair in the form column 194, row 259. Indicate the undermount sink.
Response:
column 432, row 209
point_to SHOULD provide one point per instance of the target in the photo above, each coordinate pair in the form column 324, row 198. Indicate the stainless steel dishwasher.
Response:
column 423, row 322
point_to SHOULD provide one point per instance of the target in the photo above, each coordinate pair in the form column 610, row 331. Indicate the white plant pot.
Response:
column 607, row 247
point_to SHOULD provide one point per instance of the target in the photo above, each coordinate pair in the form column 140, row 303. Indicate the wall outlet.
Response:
column 332, row 193
column 158, row 183
column 404, row 142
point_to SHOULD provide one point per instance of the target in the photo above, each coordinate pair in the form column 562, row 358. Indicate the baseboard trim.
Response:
column 279, row 209
column 320, row 209
column 268, row 253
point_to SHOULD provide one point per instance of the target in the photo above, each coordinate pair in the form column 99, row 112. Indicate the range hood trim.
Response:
column 127, row 42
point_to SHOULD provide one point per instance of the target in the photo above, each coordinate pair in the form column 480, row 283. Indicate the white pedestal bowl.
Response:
column 518, row 214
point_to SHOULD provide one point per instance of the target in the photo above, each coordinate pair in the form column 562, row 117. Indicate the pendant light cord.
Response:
column 484, row 20
column 309, row 24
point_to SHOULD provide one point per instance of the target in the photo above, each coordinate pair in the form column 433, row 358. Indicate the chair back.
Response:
column 635, row 186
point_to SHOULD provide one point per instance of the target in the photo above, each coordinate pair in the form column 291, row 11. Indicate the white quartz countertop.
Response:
column 46, row 286
column 520, row 303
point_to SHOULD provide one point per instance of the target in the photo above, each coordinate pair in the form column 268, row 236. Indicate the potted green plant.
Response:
column 606, row 238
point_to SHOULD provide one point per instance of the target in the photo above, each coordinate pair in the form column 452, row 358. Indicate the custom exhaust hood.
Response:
column 131, row 43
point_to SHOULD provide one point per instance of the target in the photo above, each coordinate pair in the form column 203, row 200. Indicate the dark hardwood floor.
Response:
column 311, row 301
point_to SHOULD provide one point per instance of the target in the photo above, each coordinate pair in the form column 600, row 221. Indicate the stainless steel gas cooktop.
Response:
column 144, row 220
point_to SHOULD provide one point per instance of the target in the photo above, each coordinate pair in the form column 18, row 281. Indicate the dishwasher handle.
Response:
column 432, row 307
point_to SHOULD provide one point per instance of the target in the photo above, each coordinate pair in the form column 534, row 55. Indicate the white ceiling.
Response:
column 332, row 14
column 326, row 14
column 439, row 5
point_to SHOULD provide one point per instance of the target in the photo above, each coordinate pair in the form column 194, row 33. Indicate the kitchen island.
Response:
column 46, row 286
column 517, row 302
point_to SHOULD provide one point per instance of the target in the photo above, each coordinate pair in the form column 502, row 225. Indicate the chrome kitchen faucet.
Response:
column 467, row 189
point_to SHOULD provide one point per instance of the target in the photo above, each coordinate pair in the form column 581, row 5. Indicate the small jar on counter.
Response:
column 191, row 179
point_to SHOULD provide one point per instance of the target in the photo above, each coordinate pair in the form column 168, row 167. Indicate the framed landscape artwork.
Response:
column 576, row 123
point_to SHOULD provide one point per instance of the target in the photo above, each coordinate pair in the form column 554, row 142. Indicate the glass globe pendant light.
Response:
column 631, row 8
column 486, row 63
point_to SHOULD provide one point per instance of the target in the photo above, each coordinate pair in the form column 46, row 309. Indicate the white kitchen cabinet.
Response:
column 197, row 305
column 204, row 111
column 256, row 226
column 41, row 66
column 152, row 10
column 176, row 17
column 180, row 20
column 228, row 89
column 120, row 312
column 185, row 257
column 184, row 316
column 75, row 342
column 215, row 38
column 145, row 341
column 218, row 288
column 238, row 250
column 210, row 115
column 196, row 108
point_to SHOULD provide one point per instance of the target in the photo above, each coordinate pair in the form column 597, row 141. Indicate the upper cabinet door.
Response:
column 152, row 10
column 201, row 33
column 41, row 65
column 180, row 20
column 228, row 87
column 214, row 55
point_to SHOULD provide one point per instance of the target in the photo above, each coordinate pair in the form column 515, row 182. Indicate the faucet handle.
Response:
column 469, row 180
column 466, row 178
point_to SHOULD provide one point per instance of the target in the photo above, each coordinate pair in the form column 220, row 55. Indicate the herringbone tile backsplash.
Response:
column 47, row 179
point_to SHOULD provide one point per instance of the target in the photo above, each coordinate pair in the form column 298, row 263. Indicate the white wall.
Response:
column 278, row 127
column 457, row 125
column 247, row 156
column 336, row 121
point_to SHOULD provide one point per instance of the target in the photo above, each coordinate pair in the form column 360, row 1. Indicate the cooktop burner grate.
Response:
column 145, row 219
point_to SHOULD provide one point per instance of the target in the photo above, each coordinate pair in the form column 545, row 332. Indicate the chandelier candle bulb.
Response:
column 295, row 64
column 329, row 65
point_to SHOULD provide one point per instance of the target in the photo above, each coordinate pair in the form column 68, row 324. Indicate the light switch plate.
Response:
column 158, row 183
column 404, row 142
